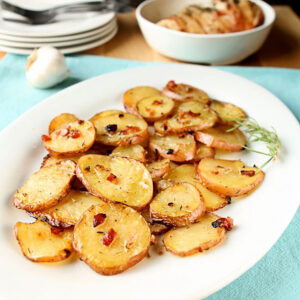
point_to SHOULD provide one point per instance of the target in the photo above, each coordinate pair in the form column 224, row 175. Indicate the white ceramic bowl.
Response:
column 224, row 48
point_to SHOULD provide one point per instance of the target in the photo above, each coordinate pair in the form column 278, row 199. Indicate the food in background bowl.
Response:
column 222, row 16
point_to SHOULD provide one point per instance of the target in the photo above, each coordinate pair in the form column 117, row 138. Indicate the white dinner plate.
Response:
column 66, row 50
column 259, row 219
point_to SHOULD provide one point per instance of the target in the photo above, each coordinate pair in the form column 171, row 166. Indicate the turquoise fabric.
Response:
column 277, row 274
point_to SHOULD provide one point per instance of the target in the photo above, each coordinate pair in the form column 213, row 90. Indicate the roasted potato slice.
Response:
column 174, row 147
column 158, row 168
column 69, row 210
column 70, row 139
column 203, row 151
column 61, row 120
column 120, row 129
column 190, row 116
column 133, row 96
column 195, row 238
column 136, row 152
column 46, row 187
column 155, row 108
column 219, row 137
column 116, row 179
column 179, row 205
column 227, row 111
column 111, row 238
column 184, row 92
column 187, row 173
column 40, row 242
column 229, row 177
column 106, row 113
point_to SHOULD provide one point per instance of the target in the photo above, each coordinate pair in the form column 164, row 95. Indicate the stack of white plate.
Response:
column 69, row 33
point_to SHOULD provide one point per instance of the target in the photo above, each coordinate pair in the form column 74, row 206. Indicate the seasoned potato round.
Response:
column 219, row 137
column 158, row 168
column 117, row 179
column 184, row 92
column 187, row 173
column 136, row 152
column 174, row 147
column 69, row 210
column 46, row 187
column 203, row 151
column 70, row 139
column 111, row 238
column 40, row 242
column 133, row 96
column 155, row 108
column 61, row 120
column 120, row 129
column 105, row 113
column 227, row 111
column 179, row 205
column 229, row 177
column 195, row 238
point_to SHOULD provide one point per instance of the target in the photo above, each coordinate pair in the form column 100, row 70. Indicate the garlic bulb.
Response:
column 46, row 67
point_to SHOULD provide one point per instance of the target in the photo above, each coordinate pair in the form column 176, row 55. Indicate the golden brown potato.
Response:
column 179, row 205
column 61, row 120
column 158, row 168
column 69, row 210
column 111, row 238
column 229, row 177
column 40, row 242
column 195, row 238
column 203, row 151
column 219, row 137
column 105, row 113
column 70, row 139
column 155, row 108
column 191, row 116
column 187, row 173
column 46, row 187
column 136, row 152
column 134, row 95
column 120, row 129
column 184, row 92
column 227, row 111
column 116, row 179
column 174, row 147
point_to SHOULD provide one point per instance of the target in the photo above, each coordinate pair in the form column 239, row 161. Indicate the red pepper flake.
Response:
column 109, row 237
column 171, row 85
column 56, row 230
column 130, row 129
column 214, row 172
column 150, row 111
column 112, row 178
column 74, row 134
column 249, row 173
column 46, row 138
column 157, row 102
column 226, row 223
column 98, row 219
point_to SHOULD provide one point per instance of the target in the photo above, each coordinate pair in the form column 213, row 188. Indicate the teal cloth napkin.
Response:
column 277, row 274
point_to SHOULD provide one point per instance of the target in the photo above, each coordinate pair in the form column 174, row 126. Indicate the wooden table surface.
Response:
column 282, row 48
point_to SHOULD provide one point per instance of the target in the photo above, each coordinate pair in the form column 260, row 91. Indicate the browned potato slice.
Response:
column 68, row 212
column 117, row 179
column 105, row 113
column 227, row 111
column 120, row 129
column 61, row 120
column 158, row 168
column 179, row 205
column 40, row 242
column 190, row 116
column 195, row 238
column 229, row 177
column 155, row 228
column 70, row 139
column 111, row 238
column 187, row 173
column 136, row 152
column 184, row 92
column 203, row 151
column 174, row 147
column 218, row 137
column 155, row 108
column 46, row 187
column 134, row 95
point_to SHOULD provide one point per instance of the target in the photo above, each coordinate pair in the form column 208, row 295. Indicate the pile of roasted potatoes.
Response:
column 110, row 184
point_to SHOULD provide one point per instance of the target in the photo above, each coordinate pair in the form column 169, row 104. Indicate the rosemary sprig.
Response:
column 257, row 133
